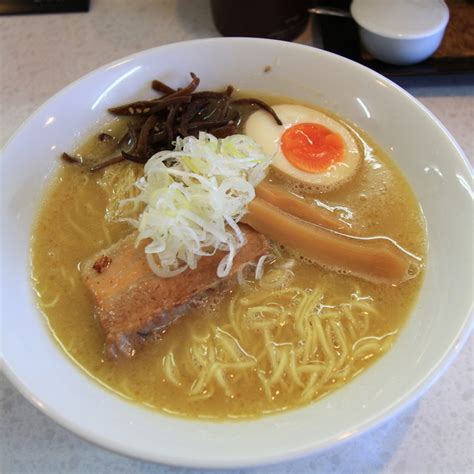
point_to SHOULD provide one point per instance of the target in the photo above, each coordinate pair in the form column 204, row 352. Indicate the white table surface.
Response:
column 39, row 55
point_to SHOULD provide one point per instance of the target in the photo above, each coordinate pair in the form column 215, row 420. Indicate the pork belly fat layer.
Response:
column 131, row 302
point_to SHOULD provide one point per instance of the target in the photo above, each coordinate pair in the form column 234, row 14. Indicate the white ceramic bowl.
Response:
column 401, row 32
column 430, row 158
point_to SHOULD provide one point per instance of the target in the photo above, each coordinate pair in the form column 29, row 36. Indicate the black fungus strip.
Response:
column 159, row 86
column 168, row 102
column 149, row 107
column 105, row 163
column 158, row 137
column 134, row 158
column 224, row 104
column 189, row 89
column 141, row 149
column 259, row 103
column 208, row 124
column 224, row 131
column 170, row 124
column 71, row 159
column 189, row 114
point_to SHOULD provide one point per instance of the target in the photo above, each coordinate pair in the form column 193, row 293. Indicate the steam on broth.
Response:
column 288, row 332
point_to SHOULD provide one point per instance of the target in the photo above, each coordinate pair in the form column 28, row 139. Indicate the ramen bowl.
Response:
column 433, row 335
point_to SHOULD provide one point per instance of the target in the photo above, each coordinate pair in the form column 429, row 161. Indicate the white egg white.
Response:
column 267, row 133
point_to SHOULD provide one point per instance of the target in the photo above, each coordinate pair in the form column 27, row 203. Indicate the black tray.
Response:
column 24, row 7
column 340, row 36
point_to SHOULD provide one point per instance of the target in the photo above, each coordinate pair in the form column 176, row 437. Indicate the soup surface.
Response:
column 262, row 347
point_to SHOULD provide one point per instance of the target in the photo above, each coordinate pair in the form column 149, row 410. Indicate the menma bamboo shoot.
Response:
column 376, row 259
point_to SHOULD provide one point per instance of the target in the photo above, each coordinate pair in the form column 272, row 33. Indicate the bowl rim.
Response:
column 371, row 422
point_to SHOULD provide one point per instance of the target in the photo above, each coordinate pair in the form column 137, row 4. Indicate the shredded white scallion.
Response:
column 259, row 268
column 193, row 207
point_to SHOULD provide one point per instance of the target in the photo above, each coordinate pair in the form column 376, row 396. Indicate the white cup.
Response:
column 401, row 32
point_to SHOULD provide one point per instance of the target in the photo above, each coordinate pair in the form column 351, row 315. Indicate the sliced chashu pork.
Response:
column 132, row 303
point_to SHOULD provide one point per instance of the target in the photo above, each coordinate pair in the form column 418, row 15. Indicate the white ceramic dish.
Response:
column 430, row 158
column 401, row 31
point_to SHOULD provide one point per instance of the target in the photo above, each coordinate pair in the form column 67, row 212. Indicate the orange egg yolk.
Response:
column 311, row 147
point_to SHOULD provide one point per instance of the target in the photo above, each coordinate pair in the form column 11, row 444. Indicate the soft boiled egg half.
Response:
column 309, row 147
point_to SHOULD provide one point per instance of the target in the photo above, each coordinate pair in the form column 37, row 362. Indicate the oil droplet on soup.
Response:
column 260, row 348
